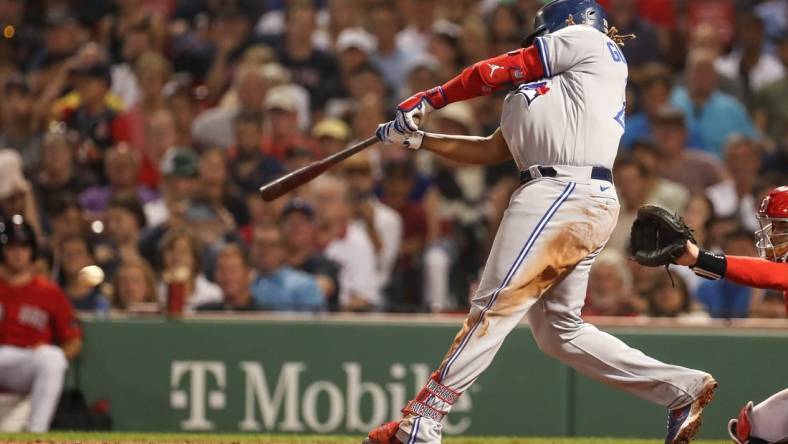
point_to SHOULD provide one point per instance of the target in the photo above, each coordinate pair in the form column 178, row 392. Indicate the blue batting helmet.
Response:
column 556, row 15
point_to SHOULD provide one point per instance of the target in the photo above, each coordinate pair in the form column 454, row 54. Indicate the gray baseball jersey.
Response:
column 575, row 116
column 549, row 237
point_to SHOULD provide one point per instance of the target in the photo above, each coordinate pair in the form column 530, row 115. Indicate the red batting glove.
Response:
column 412, row 112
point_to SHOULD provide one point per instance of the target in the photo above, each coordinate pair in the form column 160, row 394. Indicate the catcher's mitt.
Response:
column 658, row 238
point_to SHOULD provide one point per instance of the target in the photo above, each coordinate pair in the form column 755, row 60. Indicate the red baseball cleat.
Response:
column 384, row 434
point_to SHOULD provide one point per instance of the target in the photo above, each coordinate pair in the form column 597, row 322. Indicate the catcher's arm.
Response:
column 749, row 271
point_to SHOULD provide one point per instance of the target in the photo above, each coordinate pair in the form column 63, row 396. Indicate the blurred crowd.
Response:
column 136, row 134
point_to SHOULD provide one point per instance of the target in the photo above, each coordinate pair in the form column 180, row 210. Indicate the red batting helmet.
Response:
column 772, row 241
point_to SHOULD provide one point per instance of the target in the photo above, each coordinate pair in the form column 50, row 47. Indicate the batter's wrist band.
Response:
column 710, row 265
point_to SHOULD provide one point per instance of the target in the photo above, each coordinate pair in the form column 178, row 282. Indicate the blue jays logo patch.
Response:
column 531, row 91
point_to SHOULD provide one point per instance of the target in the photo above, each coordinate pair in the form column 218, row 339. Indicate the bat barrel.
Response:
column 290, row 181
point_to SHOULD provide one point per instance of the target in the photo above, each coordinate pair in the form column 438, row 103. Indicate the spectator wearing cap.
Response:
column 92, row 115
column 56, row 172
column 347, row 243
column 694, row 169
column 383, row 225
column 737, row 196
column 74, row 253
column 121, row 168
column 715, row 114
column 234, row 277
column 299, row 230
column 748, row 64
column 250, row 167
column 215, row 127
column 278, row 287
column 281, row 122
column 389, row 57
column 19, row 127
column 354, row 47
column 180, row 168
column 180, row 184
column 315, row 70
column 332, row 135
column 354, row 50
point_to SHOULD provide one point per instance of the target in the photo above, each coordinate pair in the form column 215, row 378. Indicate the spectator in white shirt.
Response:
column 382, row 223
column 348, row 244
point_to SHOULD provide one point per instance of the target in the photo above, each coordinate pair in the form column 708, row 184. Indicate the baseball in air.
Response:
column 91, row 275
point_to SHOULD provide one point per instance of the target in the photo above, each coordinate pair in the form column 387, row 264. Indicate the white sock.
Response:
column 770, row 418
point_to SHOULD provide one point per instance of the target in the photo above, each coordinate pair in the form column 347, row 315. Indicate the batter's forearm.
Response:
column 468, row 149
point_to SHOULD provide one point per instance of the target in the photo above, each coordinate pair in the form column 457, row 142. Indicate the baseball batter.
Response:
column 561, row 123
column 38, row 331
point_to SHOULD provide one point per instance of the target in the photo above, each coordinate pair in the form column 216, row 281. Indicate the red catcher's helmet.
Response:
column 772, row 241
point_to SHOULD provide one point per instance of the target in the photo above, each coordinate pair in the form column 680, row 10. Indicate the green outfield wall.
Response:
column 335, row 376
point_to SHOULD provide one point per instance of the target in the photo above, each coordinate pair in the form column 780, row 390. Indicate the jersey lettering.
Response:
column 33, row 317
column 616, row 53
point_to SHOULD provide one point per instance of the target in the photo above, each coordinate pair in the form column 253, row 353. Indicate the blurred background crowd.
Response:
column 137, row 132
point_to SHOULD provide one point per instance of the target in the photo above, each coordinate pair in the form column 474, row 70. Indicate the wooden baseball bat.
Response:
column 278, row 187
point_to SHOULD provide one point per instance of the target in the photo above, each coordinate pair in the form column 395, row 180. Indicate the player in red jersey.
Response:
column 766, row 422
column 38, row 330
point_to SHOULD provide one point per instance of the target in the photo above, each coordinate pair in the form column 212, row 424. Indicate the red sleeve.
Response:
column 756, row 272
column 65, row 324
column 484, row 78
column 488, row 76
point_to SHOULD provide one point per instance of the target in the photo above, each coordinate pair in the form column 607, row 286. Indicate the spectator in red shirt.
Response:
column 38, row 330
